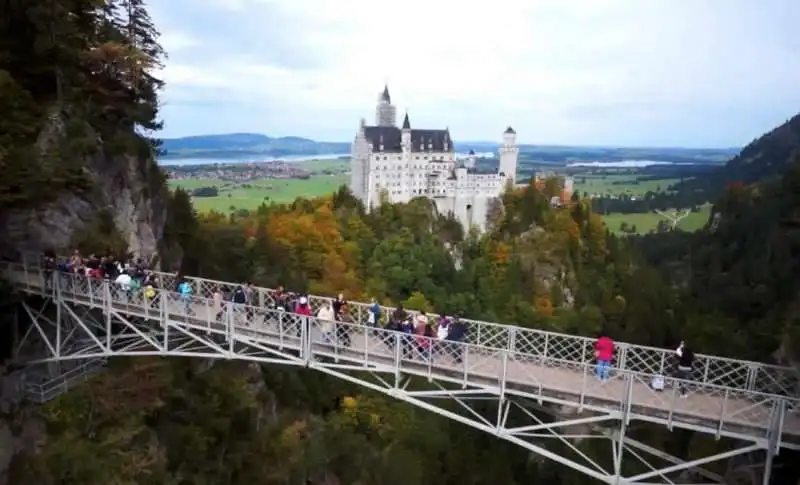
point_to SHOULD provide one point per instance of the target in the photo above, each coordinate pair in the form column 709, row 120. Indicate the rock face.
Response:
column 118, row 185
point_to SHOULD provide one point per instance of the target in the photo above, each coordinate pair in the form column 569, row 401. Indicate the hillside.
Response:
column 237, row 144
column 743, row 267
column 72, row 154
column 768, row 156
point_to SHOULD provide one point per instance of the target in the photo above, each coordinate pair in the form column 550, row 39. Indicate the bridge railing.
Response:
column 734, row 373
column 739, row 374
column 51, row 388
column 507, row 370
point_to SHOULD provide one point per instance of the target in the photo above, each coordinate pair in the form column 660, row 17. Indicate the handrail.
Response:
column 546, row 374
column 734, row 373
column 78, row 371
column 782, row 380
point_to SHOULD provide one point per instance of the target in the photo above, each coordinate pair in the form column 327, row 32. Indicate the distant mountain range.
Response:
column 211, row 146
column 767, row 157
column 238, row 145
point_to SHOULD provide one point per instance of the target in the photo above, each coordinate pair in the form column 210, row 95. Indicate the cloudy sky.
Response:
column 708, row 73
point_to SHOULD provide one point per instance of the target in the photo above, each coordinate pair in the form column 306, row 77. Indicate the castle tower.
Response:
column 509, row 154
column 406, row 173
column 385, row 112
column 405, row 136
column 359, row 163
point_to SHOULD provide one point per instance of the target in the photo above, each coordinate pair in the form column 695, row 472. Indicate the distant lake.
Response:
column 248, row 158
column 624, row 164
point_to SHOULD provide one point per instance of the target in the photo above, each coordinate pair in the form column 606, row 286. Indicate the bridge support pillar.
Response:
column 15, row 336
column 773, row 440
column 618, row 443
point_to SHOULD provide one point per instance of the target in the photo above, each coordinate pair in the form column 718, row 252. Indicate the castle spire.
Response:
column 385, row 96
column 406, row 123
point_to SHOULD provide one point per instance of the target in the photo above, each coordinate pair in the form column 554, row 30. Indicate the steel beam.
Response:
column 287, row 339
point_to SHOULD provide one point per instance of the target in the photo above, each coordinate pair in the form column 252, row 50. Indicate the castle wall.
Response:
column 470, row 210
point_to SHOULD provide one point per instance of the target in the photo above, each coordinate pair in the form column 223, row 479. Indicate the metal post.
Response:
column 25, row 272
column 59, row 317
column 397, row 357
column 165, row 319
column 773, row 446
column 15, row 335
column 306, row 348
column 229, row 329
column 619, row 443
column 546, row 347
column 622, row 361
column 108, row 316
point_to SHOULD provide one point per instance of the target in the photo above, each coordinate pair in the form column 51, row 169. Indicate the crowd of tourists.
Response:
column 421, row 334
column 130, row 275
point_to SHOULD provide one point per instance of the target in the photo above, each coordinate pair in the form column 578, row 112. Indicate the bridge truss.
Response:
column 67, row 323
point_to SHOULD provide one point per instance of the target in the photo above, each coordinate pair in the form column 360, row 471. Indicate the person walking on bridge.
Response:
column 326, row 316
column 186, row 291
column 49, row 267
column 604, row 354
column 685, row 363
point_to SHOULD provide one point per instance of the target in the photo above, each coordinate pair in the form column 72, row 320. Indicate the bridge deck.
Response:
column 709, row 408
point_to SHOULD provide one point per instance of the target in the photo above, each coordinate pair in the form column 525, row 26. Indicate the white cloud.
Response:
column 569, row 71
column 178, row 41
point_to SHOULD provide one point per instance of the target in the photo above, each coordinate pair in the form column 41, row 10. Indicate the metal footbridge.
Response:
column 523, row 371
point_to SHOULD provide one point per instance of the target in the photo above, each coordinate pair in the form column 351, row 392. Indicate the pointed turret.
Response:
column 510, row 131
column 385, row 114
column 405, row 136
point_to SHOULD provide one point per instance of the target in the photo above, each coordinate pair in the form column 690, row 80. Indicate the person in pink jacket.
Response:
column 604, row 353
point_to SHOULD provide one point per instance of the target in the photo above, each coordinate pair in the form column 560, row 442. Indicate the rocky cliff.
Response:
column 118, row 185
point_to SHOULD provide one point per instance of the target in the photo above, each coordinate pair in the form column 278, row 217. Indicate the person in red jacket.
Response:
column 604, row 353
column 302, row 307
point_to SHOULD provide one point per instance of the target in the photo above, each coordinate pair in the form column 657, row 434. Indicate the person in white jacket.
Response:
column 327, row 318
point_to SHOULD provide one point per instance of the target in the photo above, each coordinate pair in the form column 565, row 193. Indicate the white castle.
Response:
column 399, row 164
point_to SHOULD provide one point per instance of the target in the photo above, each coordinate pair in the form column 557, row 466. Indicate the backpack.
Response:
column 657, row 384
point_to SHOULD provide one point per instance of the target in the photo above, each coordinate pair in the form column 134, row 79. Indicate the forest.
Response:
column 728, row 290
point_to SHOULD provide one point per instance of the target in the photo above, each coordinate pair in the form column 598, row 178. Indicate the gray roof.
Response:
column 391, row 138
column 385, row 96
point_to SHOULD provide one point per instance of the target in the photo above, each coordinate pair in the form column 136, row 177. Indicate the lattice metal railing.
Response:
column 637, row 358
column 739, row 374
column 558, row 368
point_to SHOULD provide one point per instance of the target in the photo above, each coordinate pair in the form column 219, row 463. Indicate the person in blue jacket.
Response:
column 374, row 317
column 185, row 290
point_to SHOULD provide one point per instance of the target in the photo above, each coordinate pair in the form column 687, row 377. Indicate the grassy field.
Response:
column 320, row 165
column 647, row 222
column 250, row 195
column 612, row 184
